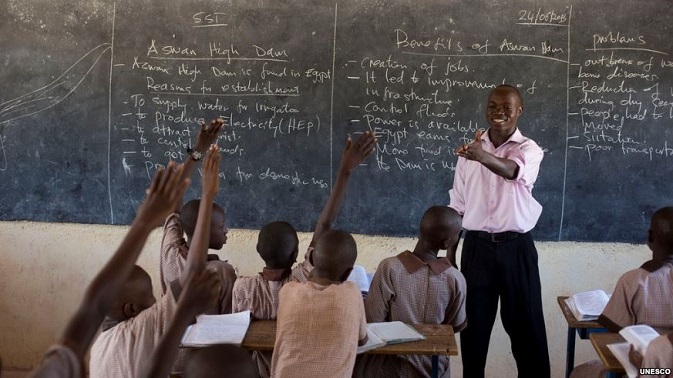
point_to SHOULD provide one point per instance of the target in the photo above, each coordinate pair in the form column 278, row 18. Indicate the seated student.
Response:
column 66, row 357
column 643, row 295
column 322, row 321
column 214, row 361
column 277, row 244
column 136, row 322
column 418, row 287
column 174, row 247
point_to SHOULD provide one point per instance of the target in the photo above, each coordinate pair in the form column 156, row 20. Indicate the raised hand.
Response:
column 356, row 153
column 208, row 134
column 210, row 178
column 166, row 190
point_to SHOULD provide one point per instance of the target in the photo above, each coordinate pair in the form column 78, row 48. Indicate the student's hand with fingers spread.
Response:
column 166, row 189
column 211, row 168
column 473, row 150
column 356, row 152
column 208, row 134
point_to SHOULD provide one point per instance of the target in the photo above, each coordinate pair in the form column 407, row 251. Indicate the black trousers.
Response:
column 505, row 270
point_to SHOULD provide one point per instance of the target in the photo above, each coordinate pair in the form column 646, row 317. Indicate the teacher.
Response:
column 492, row 189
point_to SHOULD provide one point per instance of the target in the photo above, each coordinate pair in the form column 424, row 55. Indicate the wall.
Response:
column 45, row 267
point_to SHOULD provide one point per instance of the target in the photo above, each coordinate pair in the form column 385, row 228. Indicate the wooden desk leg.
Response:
column 435, row 366
column 570, row 352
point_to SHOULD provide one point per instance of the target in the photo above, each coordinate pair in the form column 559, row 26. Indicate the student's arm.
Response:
column 198, row 249
column 200, row 292
column 352, row 156
column 166, row 188
column 500, row 166
column 207, row 136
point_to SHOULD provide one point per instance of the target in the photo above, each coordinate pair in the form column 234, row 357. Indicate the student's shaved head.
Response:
column 439, row 222
column 220, row 361
column 661, row 229
column 335, row 253
column 278, row 244
column 135, row 296
column 190, row 212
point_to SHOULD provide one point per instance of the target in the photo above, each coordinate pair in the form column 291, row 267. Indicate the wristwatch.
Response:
column 195, row 154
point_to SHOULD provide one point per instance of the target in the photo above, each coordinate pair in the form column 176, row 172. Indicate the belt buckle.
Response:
column 498, row 237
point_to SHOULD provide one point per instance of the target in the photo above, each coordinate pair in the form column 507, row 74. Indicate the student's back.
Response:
column 418, row 287
column 322, row 321
column 645, row 295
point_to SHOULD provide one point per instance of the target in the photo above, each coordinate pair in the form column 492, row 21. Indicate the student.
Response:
column 645, row 295
column 277, row 245
column 198, row 295
column 322, row 321
column 418, row 287
column 492, row 189
column 174, row 247
column 136, row 322
column 66, row 357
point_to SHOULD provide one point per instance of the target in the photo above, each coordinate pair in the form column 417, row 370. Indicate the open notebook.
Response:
column 587, row 305
column 637, row 335
column 384, row 333
column 217, row 329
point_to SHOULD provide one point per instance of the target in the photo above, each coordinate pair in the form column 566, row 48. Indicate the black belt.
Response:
column 495, row 237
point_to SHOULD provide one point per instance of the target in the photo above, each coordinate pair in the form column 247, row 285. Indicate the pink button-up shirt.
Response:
column 491, row 203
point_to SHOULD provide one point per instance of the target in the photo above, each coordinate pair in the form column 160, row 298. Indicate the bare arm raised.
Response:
column 207, row 135
column 198, row 249
column 166, row 188
column 353, row 154
column 199, row 293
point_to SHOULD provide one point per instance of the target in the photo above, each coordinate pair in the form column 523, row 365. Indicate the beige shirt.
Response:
column 406, row 289
column 318, row 329
column 173, row 258
column 58, row 362
column 125, row 349
column 643, row 296
column 260, row 295
column 659, row 354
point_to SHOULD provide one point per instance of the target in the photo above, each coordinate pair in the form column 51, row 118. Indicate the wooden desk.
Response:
column 583, row 329
column 600, row 342
column 439, row 340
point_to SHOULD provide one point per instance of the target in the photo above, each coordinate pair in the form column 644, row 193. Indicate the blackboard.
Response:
column 96, row 95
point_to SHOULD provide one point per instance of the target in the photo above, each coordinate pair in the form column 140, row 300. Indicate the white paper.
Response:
column 639, row 336
column 373, row 342
column 217, row 329
column 395, row 332
column 621, row 352
column 590, row 303
column 360, row 277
